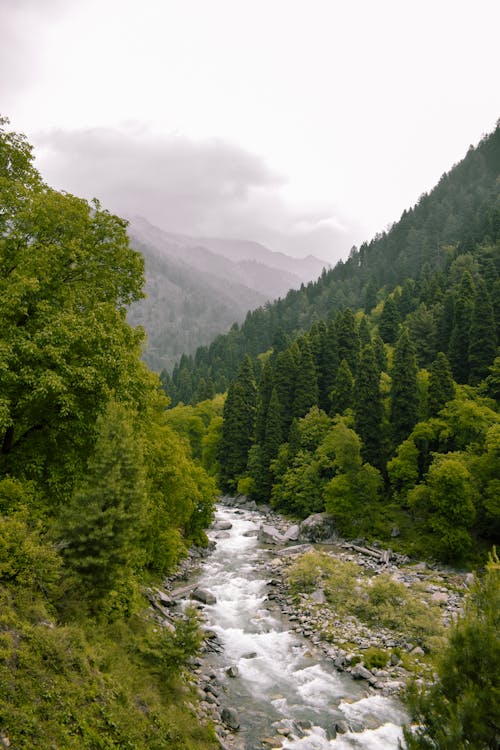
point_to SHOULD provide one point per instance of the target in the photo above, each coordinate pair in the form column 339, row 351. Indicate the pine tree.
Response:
column 270, row 446
column 364, row 333
column 389, row 322
column 482, row 344
column 460, row 334
column 99, row 528
column 238, row 426
column 328, row 363
column 404, row 393
column 306, row 384
column 380, row 353
column 342, row 393
column 284, row 376
column 441, row 385
column 263, row 398
column 368, row 407
column 348, row 339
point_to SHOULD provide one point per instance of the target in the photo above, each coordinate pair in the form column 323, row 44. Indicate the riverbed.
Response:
column 283, row 690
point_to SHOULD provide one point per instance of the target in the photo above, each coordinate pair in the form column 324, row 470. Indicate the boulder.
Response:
column 317, row 528
column 270, row 535
column 232, row 671
column 292, row 533
column 203, row 596
column 297, row 549
column 230, row 718
column 359, row 672
column 222, row 525
column 318, row 596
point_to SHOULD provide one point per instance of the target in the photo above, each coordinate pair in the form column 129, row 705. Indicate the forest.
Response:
column 372, row 393
column 99, row 497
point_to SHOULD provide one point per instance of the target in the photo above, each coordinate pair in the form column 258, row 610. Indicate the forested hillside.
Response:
column 99, row 497
column 419, row 261
column 374, row 392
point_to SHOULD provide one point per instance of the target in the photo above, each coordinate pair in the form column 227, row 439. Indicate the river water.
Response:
column 282, row 680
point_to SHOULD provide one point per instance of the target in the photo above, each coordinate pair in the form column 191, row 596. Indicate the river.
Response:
column 282, row 681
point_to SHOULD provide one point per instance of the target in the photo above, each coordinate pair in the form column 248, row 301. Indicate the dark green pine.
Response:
column 441, row 385
column 364, row 333
column 368, row 407
column 348, row 339
column 238, row 426
column 263, row 398
column 328, row 363
column 380, row 353
column 404, row 392
column 306, row 383
column 483, row 340
column 460, row 334
column 342, row 393
column 272, row 440
column 284, row 376
column 389, row 322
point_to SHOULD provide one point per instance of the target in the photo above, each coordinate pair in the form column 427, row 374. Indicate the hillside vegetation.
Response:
column 99, row 497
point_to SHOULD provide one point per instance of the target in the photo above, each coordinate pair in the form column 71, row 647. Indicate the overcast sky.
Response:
column 308, row 125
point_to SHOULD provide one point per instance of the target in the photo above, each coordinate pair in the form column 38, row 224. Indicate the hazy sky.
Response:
column 306, row 124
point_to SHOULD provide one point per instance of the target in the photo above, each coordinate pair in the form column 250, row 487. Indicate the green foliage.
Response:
column 461, row 709
column 375, row 658
column 404, row 393
column 368, row 407
column 441, row 385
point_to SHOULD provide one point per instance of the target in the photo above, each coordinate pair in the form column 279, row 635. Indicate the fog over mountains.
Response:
column 198, row 287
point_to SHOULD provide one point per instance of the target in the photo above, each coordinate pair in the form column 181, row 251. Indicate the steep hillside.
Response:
column 197, row 288
column 455, row 225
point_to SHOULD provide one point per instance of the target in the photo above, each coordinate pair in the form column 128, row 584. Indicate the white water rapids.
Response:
column 281, row 676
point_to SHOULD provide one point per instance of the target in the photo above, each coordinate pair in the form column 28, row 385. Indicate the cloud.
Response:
column 24, row 24
column 207, row 187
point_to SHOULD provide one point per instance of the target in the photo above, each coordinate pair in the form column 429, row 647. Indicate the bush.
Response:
column 375, row 658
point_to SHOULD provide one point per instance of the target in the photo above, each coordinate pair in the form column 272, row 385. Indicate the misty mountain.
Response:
column 197, row 288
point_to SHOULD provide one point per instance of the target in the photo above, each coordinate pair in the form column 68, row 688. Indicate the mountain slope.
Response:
column 460, row 217
column 194, row 292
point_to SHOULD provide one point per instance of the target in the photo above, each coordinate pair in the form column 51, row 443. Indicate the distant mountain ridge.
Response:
column 196, row 291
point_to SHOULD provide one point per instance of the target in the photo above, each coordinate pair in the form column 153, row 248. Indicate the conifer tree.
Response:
column 327, row 365
column 99, row 528
column 404, row 393
column 348, row 339
column 342, row 393
column 368, row 407
column 460, row 334
column 284, row 376
column 364, row 333
column 441, row 385
column 380, row 353
column 482, row 344
column 306, row 384
column 270, row 446
column 263, row 397
column 389, row 322
column 238, row 426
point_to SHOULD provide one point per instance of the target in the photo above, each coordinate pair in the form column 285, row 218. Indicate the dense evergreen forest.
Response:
column 373, row 393
column 418, row 263
column 99, row 497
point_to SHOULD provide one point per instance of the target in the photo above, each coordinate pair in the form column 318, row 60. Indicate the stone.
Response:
column 318, row 596
column 292, row 533
column 297, row 549
column 359, row 672
column 317, row 528
column 230, row 718
column 249, row 655
column 270, row 535
column 232, row 671
column 439, row 597
column 417, row 651
column 222, row 525
column 203, row 596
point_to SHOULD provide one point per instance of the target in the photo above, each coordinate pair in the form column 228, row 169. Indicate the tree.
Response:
column 483, row 339
column 404, row 392
column 99, row 529
column 238, row 426
column 389, row 322
column 268, row 449
column 306, row 383
column 441, row 385
column 461, row 710
column 368, row 407
column 460, row 334
column 342, row 393
column 284, row 375
column 348, row 339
